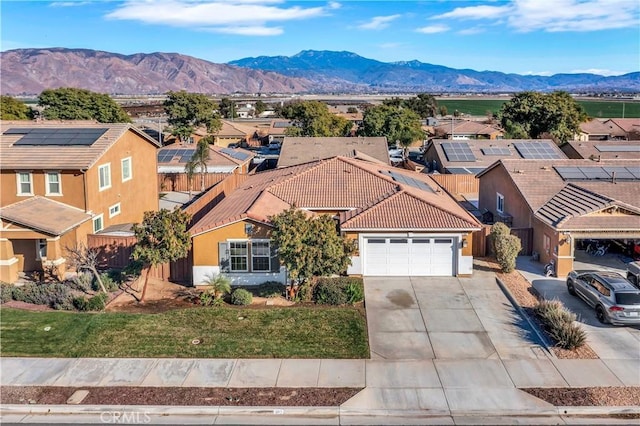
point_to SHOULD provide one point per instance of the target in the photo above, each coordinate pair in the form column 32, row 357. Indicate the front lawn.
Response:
column 292, row 332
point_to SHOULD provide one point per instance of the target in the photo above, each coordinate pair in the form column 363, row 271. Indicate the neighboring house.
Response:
column 404, row 224
column 278, row 130
column 471, row 157
column 299, row 150
column 625, row 128
column 594, row 130
column 172, row 160
column 467, row 129
column 233, row 133
column 595, row 150
column 61, row 182
column 564, row 201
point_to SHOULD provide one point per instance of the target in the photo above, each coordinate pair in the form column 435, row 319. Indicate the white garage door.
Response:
column 419, row 256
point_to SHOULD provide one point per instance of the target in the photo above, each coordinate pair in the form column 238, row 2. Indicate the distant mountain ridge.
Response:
column 414, row 75
column 29, row 71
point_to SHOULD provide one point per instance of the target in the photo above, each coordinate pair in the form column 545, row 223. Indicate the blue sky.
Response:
column 520, row 36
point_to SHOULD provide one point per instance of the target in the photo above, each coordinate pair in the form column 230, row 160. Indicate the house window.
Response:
column 239, row 256
column 41, row 249
column 54, row 185
column 260, row 256
column 98, row 223
column 499, row 202
column 24, row 183
column 104, row 175
column 114, row 210
column 127, row 173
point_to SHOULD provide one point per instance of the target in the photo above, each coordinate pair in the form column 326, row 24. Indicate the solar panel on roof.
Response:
column 238, row 155
column 618, row 148
column 537, row 150
column 464, row 170
column 281, row 124
column 408, row 180
column 599, row 173
column 458, row 151
column 58, row 137
column 496, row 150
column 620, row 173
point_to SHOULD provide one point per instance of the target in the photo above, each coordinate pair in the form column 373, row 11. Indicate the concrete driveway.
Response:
column 445, row 318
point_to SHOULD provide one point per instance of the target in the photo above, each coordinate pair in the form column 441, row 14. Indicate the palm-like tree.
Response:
column 198, row 161
column 219, row 285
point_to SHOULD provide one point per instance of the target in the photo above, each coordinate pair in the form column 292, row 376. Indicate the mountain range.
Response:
column 29, row 71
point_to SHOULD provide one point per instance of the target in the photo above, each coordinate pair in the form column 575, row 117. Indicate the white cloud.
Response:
column 599, row 71
column 540, row 73
column 555, row 15
column 378, row 22
column 471, row 31
column 242, row 17
column 69, row 3
column 247, row 31
column 433, row 29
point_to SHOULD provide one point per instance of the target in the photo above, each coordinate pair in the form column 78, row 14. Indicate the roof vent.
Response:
column 546, row 168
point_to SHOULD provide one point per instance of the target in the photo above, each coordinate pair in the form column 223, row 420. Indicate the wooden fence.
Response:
column 458, row 184
column 482, row 241
column 180, row 182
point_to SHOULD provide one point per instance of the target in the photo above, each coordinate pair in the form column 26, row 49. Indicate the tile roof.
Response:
column 595, row 127
column 627, row 124
column 232, row 128
column 569, row 204
column 403, row 210
column 343, row 184
column 43, row 214
column 70, row 157
column 299, row 150
column 607, row 149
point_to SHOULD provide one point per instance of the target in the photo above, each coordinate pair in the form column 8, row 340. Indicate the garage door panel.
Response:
column 420, row 256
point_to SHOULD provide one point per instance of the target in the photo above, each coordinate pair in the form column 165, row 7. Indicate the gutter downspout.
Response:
column 84, row 187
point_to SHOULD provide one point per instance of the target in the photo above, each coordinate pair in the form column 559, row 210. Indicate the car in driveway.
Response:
column 614, row 299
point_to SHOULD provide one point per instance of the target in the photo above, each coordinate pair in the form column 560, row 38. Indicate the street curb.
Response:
column 523, row 314
column 586, row 410
column 325, row 413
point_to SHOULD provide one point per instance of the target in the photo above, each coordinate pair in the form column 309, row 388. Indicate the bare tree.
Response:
column 84, row 258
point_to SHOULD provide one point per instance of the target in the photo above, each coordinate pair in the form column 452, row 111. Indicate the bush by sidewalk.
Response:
column 560, row 325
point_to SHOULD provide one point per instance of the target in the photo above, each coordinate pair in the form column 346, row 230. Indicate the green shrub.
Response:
column 329, row 293
column 569, row 336
column 80, row 303
column 505, row 246
column 498, row 231
column 82, row 281
column 354, row 292
column 108, row 282
column 559, row 323
column 133, row 269
column 338, row 290
column 241, row 297
column 219, row 285
column 269, row 289
column 97, row 302
column 54, row 295
column 6, row 292
column 306, row 291
column 115, row 275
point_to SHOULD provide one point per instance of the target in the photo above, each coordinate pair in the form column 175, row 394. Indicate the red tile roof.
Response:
column 378, row 196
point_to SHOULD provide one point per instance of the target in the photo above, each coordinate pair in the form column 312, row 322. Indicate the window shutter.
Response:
column 275, row 260
column 223, row 257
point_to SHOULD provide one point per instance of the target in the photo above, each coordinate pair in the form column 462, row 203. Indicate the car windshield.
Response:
column 628, row 298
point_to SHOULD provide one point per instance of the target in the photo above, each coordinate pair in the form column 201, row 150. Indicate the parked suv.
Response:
column 615, row 299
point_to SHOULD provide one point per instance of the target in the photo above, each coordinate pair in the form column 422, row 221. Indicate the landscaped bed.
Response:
column 593, row 397
column 527, row 298
column 214, row 332
column 128, row 395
